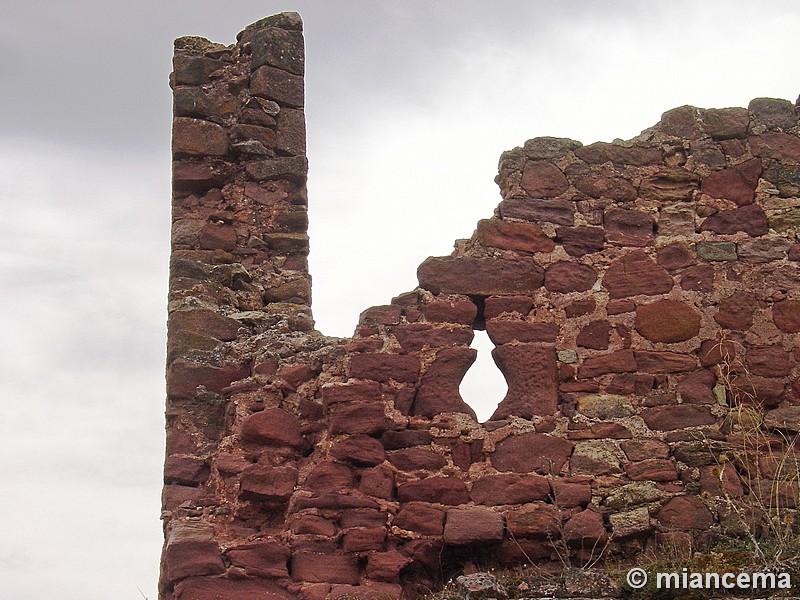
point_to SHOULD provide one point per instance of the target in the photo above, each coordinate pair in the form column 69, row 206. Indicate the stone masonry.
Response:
column 644, row 302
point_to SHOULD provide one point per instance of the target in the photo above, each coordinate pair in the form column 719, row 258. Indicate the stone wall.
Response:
column 644, row 304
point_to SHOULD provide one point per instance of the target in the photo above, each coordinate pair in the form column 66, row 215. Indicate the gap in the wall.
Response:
column 484, row 386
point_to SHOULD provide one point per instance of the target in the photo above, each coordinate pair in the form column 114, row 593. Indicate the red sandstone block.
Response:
column 531, row 373
column 621, row 361
column 206, row 322
column 594, row 335
column 361, row 450
column 185, row 470
column 664, row 362
column 261, row 558
column 208, row 588
column 629, row 227
column 585, row 530
column 564, row 277
column 667, row 321
column 443, row 310
column 480, row 276
column 560, row 212
column 274, row 427
column 580, row 308
column 667, row 418
column 199, row 137
column 198, row 177
column 183, row 377
column 531, row 452
column 365, row 417
column 698, row 279
column 439, row 389
column 675, row 256
column 509, row 488
column 578, row 241
column 420, row 517
column 356, row 391
column 472, row 525
column 569, row 494
column 442, row 490
column 276, row 84
column 736, row 183
column 769, row 361
column 412, row 459
column 513, row 235
column 190, row 551
column 749, row 219
column 363, row 539
column 598, row 185
column 329, row 476
column 736, row 311
column 542, row 179
column 386, row 566
column 381, row 315
column 505, row 331
column 685, row 512
column 385, row 367
column 635, row 274
column 538, row 521
column 264, row 483
column 324, row 568
column 697, row 388
column 781, row 146
column 313, row 525
column 786, row 315
column 655, row 469
column 368, row 590
column 413, row 337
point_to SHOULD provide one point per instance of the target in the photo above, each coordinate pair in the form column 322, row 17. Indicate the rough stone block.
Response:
column 531, row 453
column 564, row 277
column 512, row 235
column 441, row 490
column 531, row 373
column 667, row 321
column 480, row 276
column 273, row 426
column 509, row 488
column 635, row 274
column 472, row 525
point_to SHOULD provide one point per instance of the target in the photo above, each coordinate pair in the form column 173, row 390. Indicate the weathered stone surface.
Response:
column 697, row 387
column 594, row 335
column 420, row 517
column 699, row 278
column 726, row 123
column 208, row 588
column 356, row 391
column 670, row 185
column 656, row 469
column 630, row 523
column 681, row 122
column 786, row 315
column 190, row 551
column 569, row 494
column 685, row 512
column 633, row 494
column 184, row 377
column 509, row 488
column 512, row 235
column 750, row 219
column 645, row 449
column 716, row 251
column 412, row 459
column 585, row 530
column 265, row 483
column 621, row 361
column 442, row 310
column 785, row 419
column 261, row 558
column 368, row 418
column 531, row 452
column 667, row 321
column 360, row 450
column 564, row 277
column 279, row 48
column 537, row 520
column 531, row 373
column 596, row 457
column 480, row 276
column 736, row 311
column 185, row 470
column 635, row 274
column 441, row 490
column 294, row 168
column 676, row 220
column 664, row 362
column 601, row 152
column 198, row 137
column 273, row 426
column 774, row 113
column 327, row 568
column 278, row 85
column 769, row 361
column 472, row 525
column 737, row 183
column 385, row 367
column 505, row 331
column 395, row 440
column 604, row 406
column 713, row 352
column 542, row 179
column 560, row 212
column 194, row 70
column 497, row 305
column 780, row 146
column 578, row 241
column 786, row 178
column 413, row 337
column 439, row 388
column 629, row 227
column 675, row 256
column 668, row 418
column 386, row 566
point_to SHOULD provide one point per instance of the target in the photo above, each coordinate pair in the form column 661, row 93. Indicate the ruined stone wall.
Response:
column 642, row 296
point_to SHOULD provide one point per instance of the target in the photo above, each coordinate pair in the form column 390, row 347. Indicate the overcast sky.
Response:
column 409, row 105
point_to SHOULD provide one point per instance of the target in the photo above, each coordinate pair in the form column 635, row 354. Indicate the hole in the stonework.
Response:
column 484, row 386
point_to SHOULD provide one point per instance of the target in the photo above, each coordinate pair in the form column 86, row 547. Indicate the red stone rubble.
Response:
column 635, row 291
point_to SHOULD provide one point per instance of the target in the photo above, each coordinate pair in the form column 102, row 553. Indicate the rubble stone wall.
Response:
column 644, row 302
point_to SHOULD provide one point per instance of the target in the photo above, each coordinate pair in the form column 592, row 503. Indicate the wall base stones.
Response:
column 643, row 298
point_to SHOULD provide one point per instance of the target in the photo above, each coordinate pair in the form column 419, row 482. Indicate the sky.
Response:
column 409, row 105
